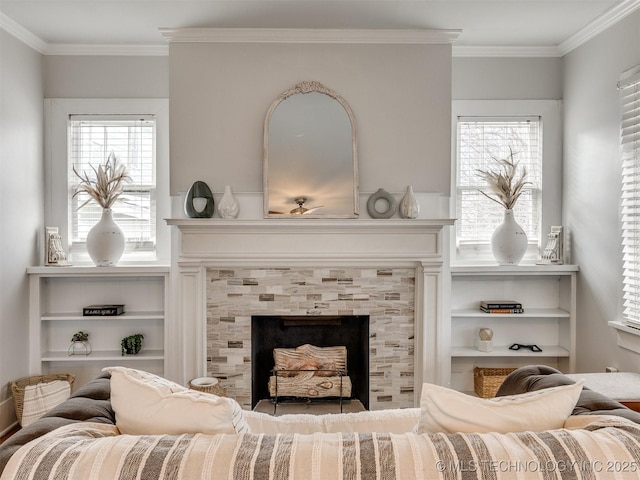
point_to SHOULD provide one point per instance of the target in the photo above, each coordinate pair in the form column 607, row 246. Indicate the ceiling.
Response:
column 551, row 26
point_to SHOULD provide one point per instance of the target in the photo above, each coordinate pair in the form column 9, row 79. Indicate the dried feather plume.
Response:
column 505, row 185
column 107, row 186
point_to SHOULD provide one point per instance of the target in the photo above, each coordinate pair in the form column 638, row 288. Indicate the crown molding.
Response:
column 599, row 25
column 506, row 51
column 12, row 27
column 287, row 35
column 296, row 35
column 25, row 36
column 116, row 50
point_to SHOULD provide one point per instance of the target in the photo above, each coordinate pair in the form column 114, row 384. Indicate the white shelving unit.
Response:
column 57, row 296
column 548, row 296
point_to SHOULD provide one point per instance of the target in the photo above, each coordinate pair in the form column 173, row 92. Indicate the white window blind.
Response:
column 479, row 142
column 630, row 209
column 132, row 139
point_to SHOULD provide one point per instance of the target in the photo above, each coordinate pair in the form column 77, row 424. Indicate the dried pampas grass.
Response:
column 107, row 185
column 505, row 185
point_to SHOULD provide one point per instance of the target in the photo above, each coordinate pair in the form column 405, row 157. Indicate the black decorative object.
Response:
column 199, row 190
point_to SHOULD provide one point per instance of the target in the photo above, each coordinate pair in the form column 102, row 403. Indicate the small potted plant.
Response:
column 80, row 344
column 132, row 344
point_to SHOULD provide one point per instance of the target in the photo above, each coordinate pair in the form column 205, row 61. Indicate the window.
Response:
column 132, row 140
column 480, row 142
column 630, row 204
column 83, row 132
column 483, row 130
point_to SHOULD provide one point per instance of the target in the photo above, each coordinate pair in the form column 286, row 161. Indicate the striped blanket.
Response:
column 607, row 448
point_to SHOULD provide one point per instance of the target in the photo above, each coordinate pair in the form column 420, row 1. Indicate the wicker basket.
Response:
column 486, row 381
column 208, row 385
column 19, row 386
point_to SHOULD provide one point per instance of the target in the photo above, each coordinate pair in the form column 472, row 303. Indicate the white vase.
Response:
column 105, row 241
column 509, row 241
column 409, row 206
column 228, row 206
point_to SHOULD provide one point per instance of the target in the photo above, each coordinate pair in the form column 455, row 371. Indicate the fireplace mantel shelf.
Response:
column 356, row 241
column 302, row 224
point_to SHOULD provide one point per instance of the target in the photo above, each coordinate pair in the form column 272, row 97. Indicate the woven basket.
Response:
column 207, row 385
column 19, row 386
column 486, row 381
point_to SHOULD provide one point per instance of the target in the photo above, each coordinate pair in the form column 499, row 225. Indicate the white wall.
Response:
column 106, row 77
column 21, row 205
column 506, row 78
column 400, row 95
column 591, row 187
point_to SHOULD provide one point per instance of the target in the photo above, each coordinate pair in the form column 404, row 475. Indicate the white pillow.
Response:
column 146, row 404
column 398, row 420
column 448, row 411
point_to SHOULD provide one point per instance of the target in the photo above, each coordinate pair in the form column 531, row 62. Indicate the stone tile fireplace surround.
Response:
column 231, row 270
column 386, row 295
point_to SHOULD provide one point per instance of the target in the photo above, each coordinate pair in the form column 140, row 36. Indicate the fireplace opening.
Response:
column 276, row 331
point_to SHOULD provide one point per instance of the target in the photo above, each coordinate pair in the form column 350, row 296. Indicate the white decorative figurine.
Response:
column 553, row 251
column 55, row 254
column 485, row 339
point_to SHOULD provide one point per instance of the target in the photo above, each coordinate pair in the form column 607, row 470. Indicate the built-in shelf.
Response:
column 101, row 356
column 502, row 270
column 57, row 298
column 503, row 351
column 528, row 313
column 90, row 270
column 548, row 297
column 133, row 316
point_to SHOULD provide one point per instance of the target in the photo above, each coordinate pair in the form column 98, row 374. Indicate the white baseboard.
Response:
column 8, row 419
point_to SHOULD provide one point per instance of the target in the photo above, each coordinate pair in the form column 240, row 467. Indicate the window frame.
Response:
column 629, row 298
column 57, row 190
column 550, row 112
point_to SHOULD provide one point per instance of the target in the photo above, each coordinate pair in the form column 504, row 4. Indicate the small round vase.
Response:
column 508, row 241
column 387, row 207
column 79, row 348
column 409, row 206
column 105, row 241
column 228, row 206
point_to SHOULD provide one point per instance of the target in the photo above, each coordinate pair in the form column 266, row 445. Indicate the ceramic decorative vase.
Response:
column 228, row 206
column 409, row 206
column 385, row 208
column 198, row 202
column 508, row 241
column 105, row 241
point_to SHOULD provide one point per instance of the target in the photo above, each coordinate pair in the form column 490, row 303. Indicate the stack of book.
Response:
column 501, row 306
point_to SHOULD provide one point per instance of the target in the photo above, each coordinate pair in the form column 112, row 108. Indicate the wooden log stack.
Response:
column 311, row 372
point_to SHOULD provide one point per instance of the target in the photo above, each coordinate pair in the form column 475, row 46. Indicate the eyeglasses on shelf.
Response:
column 518, row 346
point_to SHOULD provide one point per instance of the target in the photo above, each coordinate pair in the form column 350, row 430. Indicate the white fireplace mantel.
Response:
column 308, row 240
column 203, row 243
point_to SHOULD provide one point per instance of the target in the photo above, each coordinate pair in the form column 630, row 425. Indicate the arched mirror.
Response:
column 310, row 155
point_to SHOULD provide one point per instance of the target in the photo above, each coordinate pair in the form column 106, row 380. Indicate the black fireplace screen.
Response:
column 271, row 331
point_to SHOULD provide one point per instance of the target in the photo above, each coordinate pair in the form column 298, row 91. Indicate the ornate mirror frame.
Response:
column 352, row 210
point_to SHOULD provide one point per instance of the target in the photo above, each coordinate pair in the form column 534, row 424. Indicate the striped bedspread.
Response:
column 604, row 449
